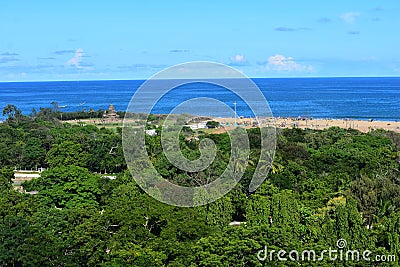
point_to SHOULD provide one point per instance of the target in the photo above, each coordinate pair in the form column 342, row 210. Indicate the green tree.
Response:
column 6, row 175
column 66, row 153
column 12, row 112
column 34, row 154
column 67, row 186
column 212, row 124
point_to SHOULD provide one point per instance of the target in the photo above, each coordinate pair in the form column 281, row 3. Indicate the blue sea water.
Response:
column 358, row 98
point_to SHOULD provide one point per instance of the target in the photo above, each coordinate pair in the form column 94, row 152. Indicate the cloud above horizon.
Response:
column 46, row 58
column 281, row 63
column 179, row 51
column 324, row 20
column 378, row 9
column 350, row 17
column 237, row 60
column 76, row 60
column 8, row 59
column 289, row 29
column 63, row 52
column 142, row 66
column 9, row 54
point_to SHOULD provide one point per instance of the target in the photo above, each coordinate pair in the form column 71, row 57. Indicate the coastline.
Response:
column 277, row 122
column 315, row 124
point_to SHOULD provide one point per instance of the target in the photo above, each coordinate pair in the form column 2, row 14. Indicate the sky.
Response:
column 101, row 40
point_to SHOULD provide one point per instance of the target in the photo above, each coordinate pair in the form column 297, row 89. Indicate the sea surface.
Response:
column 354, row 98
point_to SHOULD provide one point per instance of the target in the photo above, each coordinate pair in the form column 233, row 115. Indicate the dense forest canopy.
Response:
column 323, row 186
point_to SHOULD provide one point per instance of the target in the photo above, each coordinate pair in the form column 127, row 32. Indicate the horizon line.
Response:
column 138, row 79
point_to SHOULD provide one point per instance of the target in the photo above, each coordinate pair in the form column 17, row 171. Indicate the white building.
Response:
column 151, row 132
column 199, row 125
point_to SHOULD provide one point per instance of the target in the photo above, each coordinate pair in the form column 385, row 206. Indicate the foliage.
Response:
column 212, row 124
column 323, row 186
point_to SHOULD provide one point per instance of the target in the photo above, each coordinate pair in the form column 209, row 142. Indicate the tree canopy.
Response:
column 324, row 185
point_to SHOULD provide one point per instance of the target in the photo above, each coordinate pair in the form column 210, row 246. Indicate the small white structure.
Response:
column 199, row 125
column 235, row 223
column 22, row 176
column 151, row 132
column 111, row 177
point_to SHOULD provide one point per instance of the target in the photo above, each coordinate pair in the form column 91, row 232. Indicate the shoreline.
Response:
column 315, row 123
column 279, row 122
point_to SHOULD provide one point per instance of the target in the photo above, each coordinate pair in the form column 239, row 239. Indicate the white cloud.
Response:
column 350, row 17
column 238, row 60
column 76, row 60
column 282, row 63
column 8, row 59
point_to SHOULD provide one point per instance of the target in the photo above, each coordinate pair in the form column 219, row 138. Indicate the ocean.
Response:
column 355, row 98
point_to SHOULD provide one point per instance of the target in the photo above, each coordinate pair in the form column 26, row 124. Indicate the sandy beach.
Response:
column 317, row 124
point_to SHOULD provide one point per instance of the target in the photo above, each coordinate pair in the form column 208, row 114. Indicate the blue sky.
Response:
column 95, row 40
